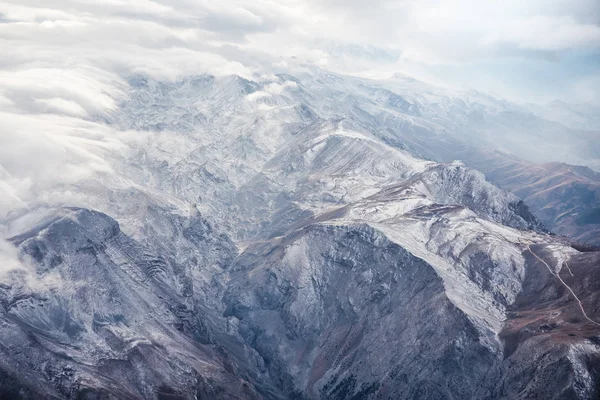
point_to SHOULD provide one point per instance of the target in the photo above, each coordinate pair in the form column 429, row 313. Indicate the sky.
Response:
column 525, row 50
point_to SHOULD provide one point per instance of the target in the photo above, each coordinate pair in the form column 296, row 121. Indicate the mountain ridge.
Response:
column 261, row 240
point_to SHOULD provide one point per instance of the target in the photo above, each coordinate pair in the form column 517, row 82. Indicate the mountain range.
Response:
column 311, row 235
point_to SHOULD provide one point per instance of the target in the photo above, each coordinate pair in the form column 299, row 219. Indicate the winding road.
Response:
column 563, row 282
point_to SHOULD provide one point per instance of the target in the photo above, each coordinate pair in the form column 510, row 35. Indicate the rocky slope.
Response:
column 99, row 315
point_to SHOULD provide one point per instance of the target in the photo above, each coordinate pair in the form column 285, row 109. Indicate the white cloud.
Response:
column 436, row 31
column 61, row 106
column 21, row 273
column 9, row 259
column 547, row 33
column 271, row 89
column 83, row 90
column 41, row 152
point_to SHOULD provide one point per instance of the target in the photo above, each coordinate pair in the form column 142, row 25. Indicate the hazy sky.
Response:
column 522, row 49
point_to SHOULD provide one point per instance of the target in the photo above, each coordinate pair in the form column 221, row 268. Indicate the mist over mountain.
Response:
column 256, row 201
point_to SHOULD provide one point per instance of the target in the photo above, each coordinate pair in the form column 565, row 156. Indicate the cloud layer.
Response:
column 168, row 39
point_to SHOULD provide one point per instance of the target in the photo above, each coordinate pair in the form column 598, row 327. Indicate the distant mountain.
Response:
column 564, row 197
column 578, row 116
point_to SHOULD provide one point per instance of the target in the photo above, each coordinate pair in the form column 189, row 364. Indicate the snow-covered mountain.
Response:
column 305, row 236
column 566, row 198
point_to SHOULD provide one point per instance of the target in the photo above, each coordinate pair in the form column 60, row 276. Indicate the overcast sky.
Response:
column 521, row 49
